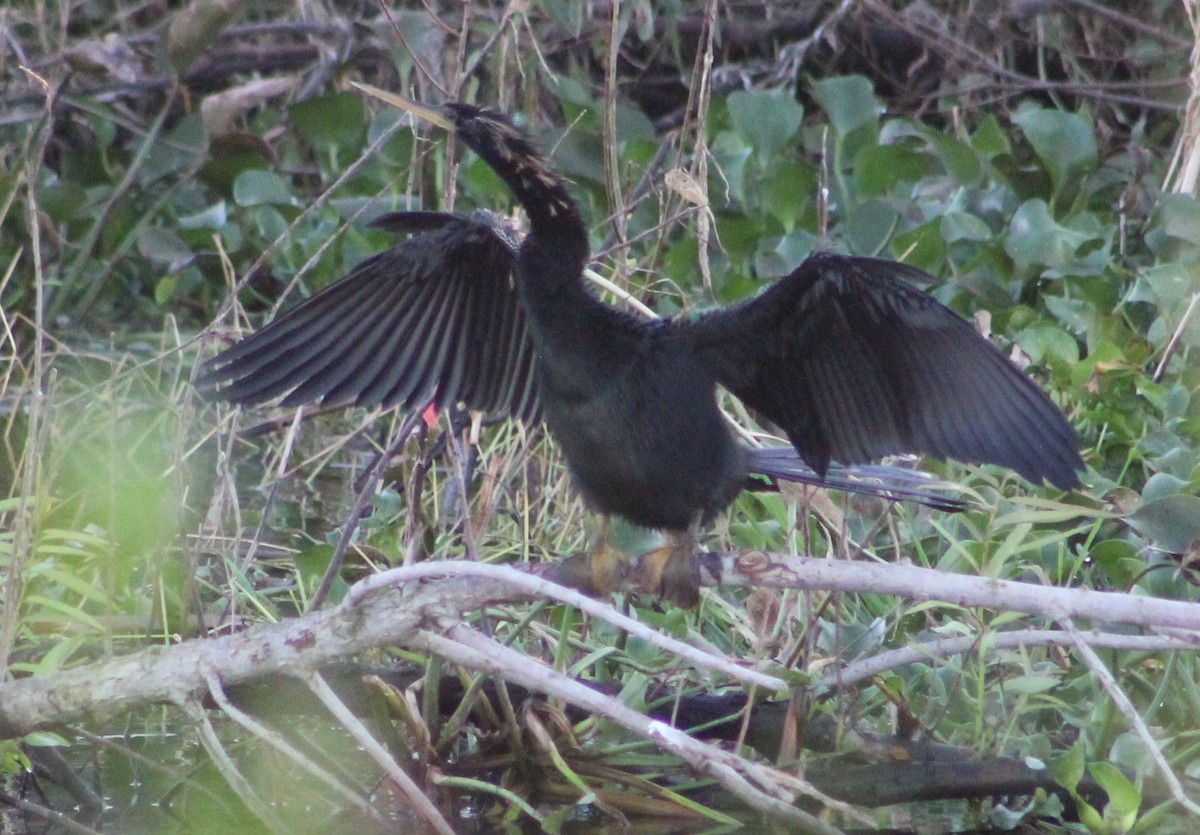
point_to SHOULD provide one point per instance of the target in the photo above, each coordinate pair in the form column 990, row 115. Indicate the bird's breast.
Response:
column 643, row 438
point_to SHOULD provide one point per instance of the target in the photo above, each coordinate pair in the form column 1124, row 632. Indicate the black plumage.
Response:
column 849, row 359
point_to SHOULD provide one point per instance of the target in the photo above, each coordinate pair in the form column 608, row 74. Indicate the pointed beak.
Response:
column 432, row 115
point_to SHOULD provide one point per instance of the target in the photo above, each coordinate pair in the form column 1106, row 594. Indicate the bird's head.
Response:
column 504, row 147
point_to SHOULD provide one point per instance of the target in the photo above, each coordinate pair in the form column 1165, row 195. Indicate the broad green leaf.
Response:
column 1172, row 523
column 1131, row 752
column 1046, row 341
column 878, row 169
column 312, row 563
column 1124, row 799
column 1119, row 559
column 330, row 121
column 257, row 187
column 959, row 159
column 961, row 226
column 1169, row 286
column 163, row 246
column 731, row 153
column 767, row 119
column 989, row 138
column 62, row 200
column 1036, row 239
column 213, row 217
column 789, row 191
column 13, row 761
column 1064, row 142
column 849, row 101
column 870, row 224
column 1173, row 232
column 1068, row 769
column 922, row 247
column 1160, row 485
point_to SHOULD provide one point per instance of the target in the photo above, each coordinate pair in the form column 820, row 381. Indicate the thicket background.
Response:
column 1037, row 159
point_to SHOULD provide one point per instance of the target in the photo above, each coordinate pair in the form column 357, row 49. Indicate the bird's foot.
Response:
column 598, row 572
column 672, row 572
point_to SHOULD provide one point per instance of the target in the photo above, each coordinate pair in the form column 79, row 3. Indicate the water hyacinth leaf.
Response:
column 1171, row 523
column 766, row 119
column 1064, row 142
column 334, row 120
column 1036, row 239
column 257, row 187
column 849, row 101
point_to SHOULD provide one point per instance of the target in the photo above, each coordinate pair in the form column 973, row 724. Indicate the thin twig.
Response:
column 866, row 668
column 1121, row 700
column 411, row 791
column 361, row 503
column 276, row 741
column 227, row 768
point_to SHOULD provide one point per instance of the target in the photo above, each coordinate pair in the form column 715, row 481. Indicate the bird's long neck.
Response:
column 553, row 255
column 554, row 216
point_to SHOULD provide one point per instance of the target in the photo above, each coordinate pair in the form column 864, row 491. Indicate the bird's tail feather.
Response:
column 884, row 480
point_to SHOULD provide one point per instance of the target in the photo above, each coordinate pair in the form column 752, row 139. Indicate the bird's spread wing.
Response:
column 854, row 363
column 434, row 319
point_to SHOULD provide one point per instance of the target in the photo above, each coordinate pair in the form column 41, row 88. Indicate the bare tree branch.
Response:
column 374, row 615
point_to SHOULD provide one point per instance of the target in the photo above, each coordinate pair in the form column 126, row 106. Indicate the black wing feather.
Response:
column 854, row 363
column 436, row 318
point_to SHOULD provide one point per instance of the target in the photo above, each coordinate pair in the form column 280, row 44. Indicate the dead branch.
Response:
column 377, row 615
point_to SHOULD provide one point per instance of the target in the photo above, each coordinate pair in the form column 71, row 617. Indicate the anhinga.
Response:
column 844, row 355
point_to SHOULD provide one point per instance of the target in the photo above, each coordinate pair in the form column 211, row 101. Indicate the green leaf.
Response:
column 160, row 245
column 1124, row 799
column 1172, row 523
column 1118, row 559
column 1131, row 752
column 71, row 613
column 213, row 217
column 1170, row 286
column 961, row 226
column 960, row 159
column 62, row 200
column 1036, row 239
column 13, row 760
column 1175, row 219
column 257, row 187
column 1046, row 341
column 1089, row 817
column 1161, row 484
column 990, row 139
column 1031, row 684
column 732, row 153
column 1064, row 142
column 788, row 191
column 1068, row 769
column 870, row 225
column 45, row 739
column 333, row 120
column 922, row 247
column 164, row 288
column 766, row 119
column 849, row 101
column 312, row 563
column 878, row 169
column 85, row 588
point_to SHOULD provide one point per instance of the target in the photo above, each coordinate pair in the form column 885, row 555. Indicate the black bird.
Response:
column 850, row 360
